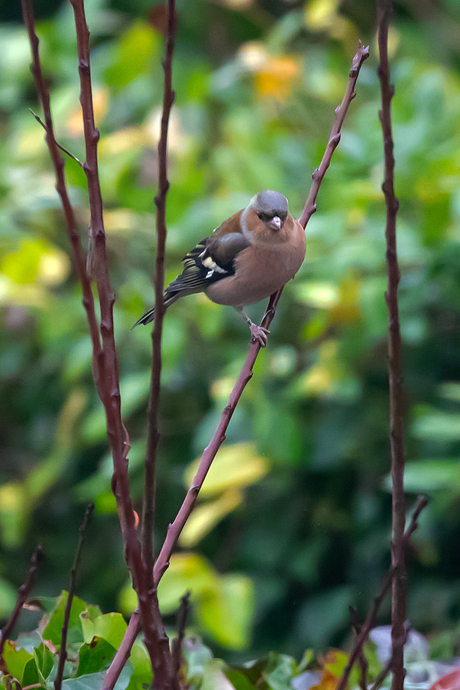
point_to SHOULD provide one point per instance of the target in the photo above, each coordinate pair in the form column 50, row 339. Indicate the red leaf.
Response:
column 451, row 681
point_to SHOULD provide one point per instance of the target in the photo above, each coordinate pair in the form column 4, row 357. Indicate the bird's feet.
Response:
column 259, row 334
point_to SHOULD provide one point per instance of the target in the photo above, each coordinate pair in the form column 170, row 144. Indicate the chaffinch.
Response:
column 246, row 259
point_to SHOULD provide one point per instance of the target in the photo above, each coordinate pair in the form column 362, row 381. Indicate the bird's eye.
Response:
column 264, row 216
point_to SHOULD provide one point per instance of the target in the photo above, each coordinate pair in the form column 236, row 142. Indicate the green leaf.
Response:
column 94, row 657
column 16, row 659
column 323, row 615
column 110, row 627
column 214, row 677
column 239, row 680
column 207, row 515
column 53, row 630
column 226, row 612
column 44, row 660
column 142, row 667
column 186, row 572
column 197, row 656
column 94, row 681
column 31, row 675
column 280, row 671
column 235, row 466
column 436, row 425
column 431, row 475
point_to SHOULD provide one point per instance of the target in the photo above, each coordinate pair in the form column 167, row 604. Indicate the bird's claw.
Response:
column 259, row 334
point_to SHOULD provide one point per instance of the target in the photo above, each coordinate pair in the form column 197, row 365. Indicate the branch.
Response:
column 123, row 652
column 399, row 604
column 68, row 606
column 181, row 624
column 105, row 365
column 334, row 139
column 153, row 436
column 23, row 593
column 371, row 617
column 64, row 150
column 176, row 527
column 58, row 164
column 155, row 637
column 210, row 451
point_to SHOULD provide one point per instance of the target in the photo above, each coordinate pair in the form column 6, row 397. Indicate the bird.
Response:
column 246, row 259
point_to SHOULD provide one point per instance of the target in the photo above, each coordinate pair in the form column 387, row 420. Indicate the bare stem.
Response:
column 105, row 364
column 153, row 437
column 176, row 527
column 155, row 637
column 58, row 164
column 181, row 624
column 23, row 593
column 68, row 606
column 371, row 617
column 398, row 606
column 334, row 139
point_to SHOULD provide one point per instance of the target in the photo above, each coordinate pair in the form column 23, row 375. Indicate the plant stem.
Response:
column 398, row 607
column 23, row 593
column 153, row 435
column 68, row 606
column 176, row 527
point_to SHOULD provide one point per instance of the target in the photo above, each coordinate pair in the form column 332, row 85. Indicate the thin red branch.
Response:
column 155, row 637
column 105, row 365
column 398, row 607
column 176, row 527
column 153, row 436
column 23, row 593
column 68, row 606
column 58, row 163
column 371, row 617
column 334, row 139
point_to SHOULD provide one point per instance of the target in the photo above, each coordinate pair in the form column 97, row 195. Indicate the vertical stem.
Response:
column 176, row 527
column 398, row 608
column 23, row 593
column 70, row 595
column 153, row 437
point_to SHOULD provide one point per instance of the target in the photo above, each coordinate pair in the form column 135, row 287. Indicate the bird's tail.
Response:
column 149, row 315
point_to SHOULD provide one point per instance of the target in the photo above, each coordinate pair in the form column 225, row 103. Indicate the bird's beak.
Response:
column 275, row 223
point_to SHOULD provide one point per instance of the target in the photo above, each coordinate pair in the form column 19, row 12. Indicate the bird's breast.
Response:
column 259, row 272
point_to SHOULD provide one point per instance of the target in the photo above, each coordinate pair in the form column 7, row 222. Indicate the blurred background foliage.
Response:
column 294, row 522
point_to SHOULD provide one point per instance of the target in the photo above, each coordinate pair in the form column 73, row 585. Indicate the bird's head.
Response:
column 268, row 208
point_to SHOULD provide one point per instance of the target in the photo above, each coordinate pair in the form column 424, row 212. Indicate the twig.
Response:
column 181, row 624
column 209, row 453
column 156, row 640
column 383, row 673
column 153, row 436
column 369, row 623
column 398, row 604
column 68, row 606
column 176, row 527
column 362, row 661
column 105, row 365
column 58, row 164
column 123, row 652
column 23, row 593
column 334, row 139
column 64, row 150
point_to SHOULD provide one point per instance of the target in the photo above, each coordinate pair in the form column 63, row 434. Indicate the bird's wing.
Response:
column 212, row 259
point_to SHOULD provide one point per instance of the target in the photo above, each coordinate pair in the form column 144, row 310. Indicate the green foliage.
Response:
column 301, row 529
column 92, row 642
column 34, row 659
